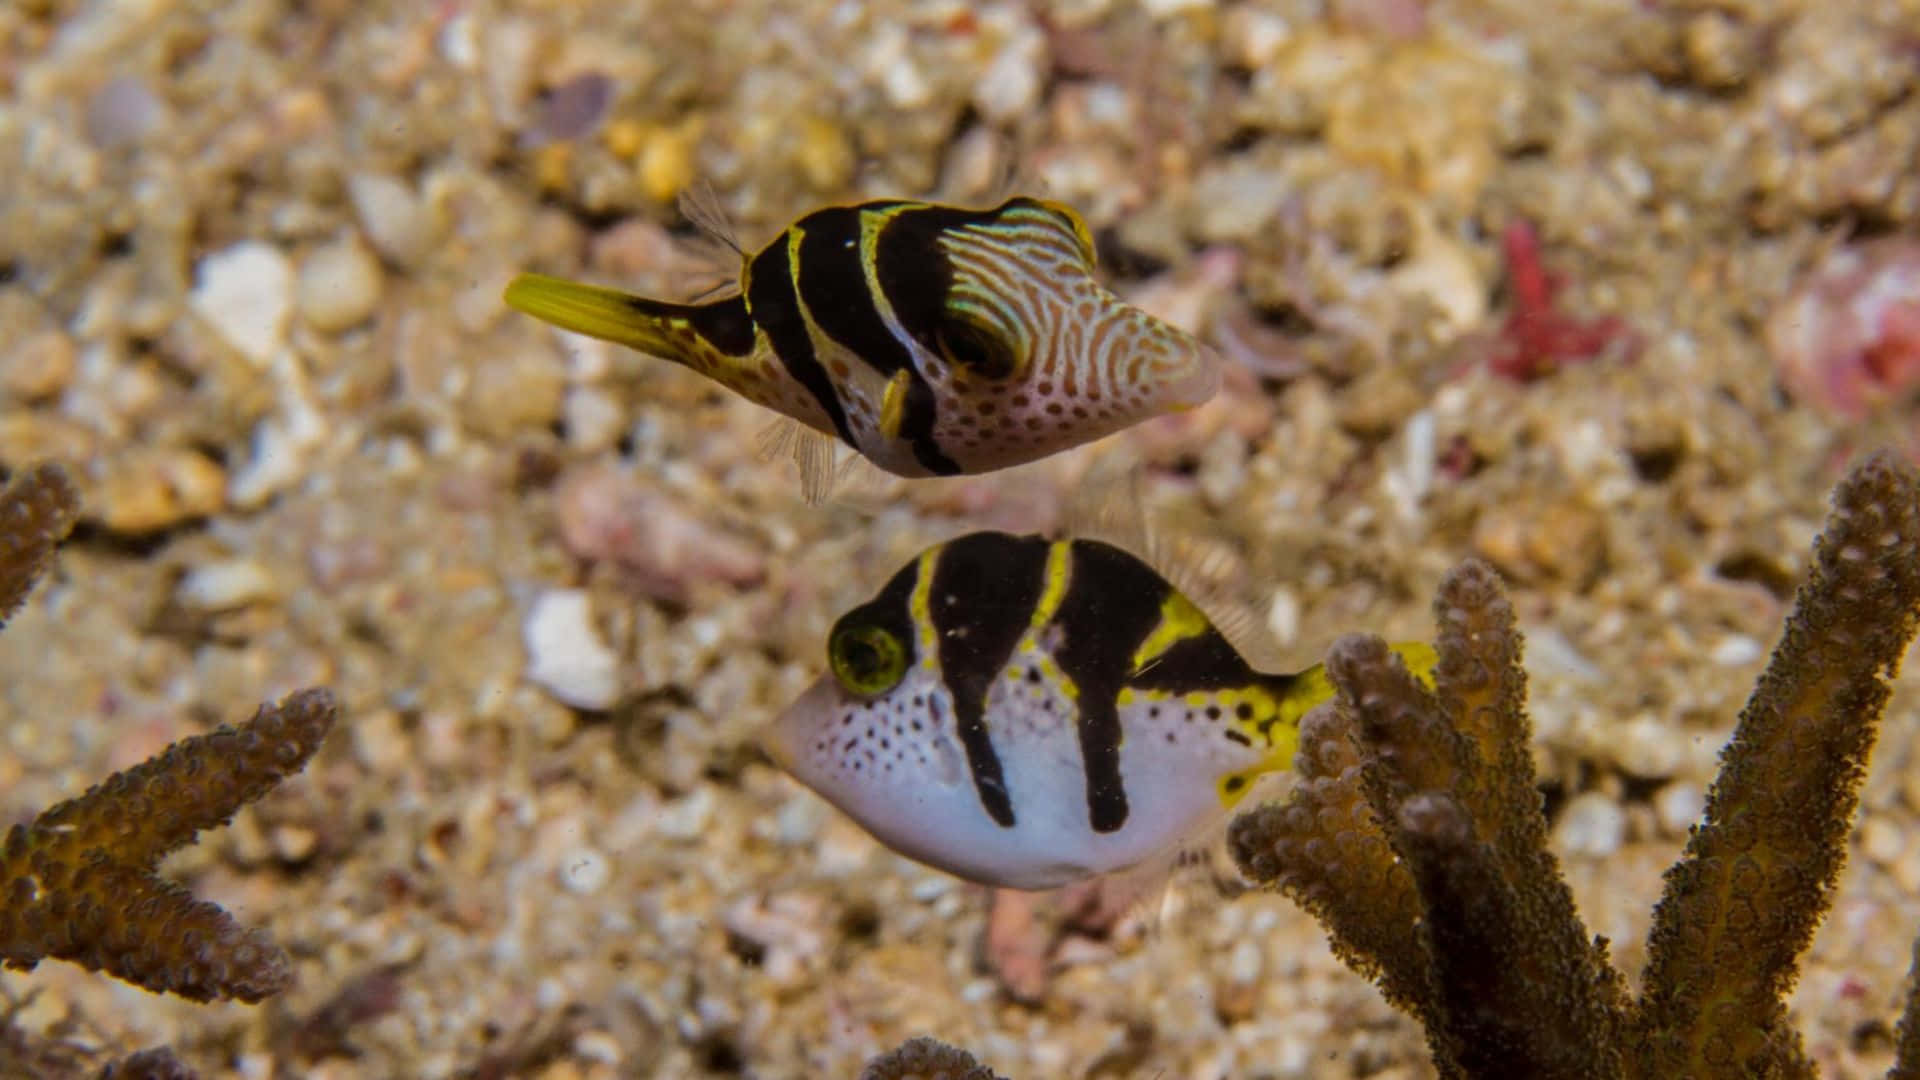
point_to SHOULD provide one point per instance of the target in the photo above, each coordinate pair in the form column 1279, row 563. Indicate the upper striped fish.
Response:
column 932, row 339
column 1027, row 713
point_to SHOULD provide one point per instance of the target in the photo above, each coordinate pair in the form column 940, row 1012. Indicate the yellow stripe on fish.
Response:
column 1027, row 713
column 934, row 340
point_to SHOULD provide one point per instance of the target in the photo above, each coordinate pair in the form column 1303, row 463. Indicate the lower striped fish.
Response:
column 932, row 339
column 1028, row 713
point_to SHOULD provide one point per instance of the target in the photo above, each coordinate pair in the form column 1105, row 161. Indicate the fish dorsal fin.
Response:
column 1110, row 506
column 701, row 206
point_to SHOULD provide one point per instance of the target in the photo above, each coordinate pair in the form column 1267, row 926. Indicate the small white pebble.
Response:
column 584, row 871
column 294, row 843
column 246, row 293
column 1649, row 748
column 599, row 1047
column 565, row 654
column 1283, row 616
column 1906, row 870
column 1881, row 840
column 1735, row 650
column 1245, row 962
column 1679, row 806
column 1161, row 9
column 687, row 817
column 1592, row 824
column 798, row 822
column 225, row 585
column 339, row 286
column 1010, row 84
column 392, row 215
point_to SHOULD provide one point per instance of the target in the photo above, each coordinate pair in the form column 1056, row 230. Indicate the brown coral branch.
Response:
column 1518, row 991
column 1324, row 849
column 1742, row 904
column 926, row 1058
column 155, row 1064
column 37, row 511
column 77, row 882
column 1906, row 1053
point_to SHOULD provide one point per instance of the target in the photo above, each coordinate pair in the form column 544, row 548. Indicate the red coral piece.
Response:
column 1538, row 339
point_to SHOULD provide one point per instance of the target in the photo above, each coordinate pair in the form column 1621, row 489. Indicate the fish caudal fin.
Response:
column 607, row 314
column 715, row 338
column 1311, row 688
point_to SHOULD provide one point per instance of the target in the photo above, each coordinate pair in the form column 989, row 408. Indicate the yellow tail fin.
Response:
column 607, row 314
column 1311, row 688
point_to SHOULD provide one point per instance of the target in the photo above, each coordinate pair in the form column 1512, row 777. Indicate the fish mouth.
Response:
column 783, row 737
column 1194, row 382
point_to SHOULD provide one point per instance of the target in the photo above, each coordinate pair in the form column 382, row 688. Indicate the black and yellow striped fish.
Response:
column 1026, row 713
column 934, row 340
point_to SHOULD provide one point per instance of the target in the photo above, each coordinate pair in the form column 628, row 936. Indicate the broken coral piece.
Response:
column 1538, row 338
column 1847, row 339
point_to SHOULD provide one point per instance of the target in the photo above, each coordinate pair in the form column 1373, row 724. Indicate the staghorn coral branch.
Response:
column 77, row 883
column 1518, row 990
column 926, row 1058
column 1906, row 1055
column 37, row 511
column 1324, row 849
column 195, row 784
column 1741, row 906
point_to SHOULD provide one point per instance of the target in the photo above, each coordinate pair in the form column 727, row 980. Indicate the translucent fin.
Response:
column 701, row 206
column 812, row 453
column 596, row 311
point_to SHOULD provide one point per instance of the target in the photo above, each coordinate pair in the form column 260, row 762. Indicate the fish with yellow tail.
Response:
column 931, row 339
column 1027, row 713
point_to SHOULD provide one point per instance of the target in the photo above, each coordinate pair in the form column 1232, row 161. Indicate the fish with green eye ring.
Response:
column 933, row 340
column 1027, row 713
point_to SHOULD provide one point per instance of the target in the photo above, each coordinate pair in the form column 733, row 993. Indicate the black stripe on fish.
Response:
column 833, row 285
column 891, row 609
column 775, row 307
column 1112, row 603
column 723, row 324
column 914, row 276
column 984, row 589
column 1202, row 663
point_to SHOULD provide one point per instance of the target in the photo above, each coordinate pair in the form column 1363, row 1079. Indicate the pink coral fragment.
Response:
column 1847, row 340
column 1538, row 339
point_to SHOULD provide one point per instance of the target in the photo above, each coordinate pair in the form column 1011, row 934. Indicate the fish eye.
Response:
column 867, row 659
column 975, row 350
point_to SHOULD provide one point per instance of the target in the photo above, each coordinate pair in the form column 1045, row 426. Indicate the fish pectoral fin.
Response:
column 594, row 310
column 812, row 452
column 893, row 403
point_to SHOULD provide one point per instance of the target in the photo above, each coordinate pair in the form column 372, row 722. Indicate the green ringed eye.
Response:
column 868, row 660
